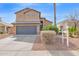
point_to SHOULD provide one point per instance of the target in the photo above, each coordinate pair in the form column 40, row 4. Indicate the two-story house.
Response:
column 29, row 21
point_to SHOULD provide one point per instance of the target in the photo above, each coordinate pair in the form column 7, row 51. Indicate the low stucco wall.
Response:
column 48, row 36
column 12, row 30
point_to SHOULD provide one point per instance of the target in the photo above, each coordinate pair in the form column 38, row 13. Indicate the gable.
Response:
column 26, row 10
column 28, row 16
column 32, row 14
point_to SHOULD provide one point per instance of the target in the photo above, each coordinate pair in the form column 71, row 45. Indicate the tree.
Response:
column 74, row 17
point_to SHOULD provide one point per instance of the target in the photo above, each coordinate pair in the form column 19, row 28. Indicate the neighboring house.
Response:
column 5, row 27
column 44, row 22
column 69, row 22
column 29, row 21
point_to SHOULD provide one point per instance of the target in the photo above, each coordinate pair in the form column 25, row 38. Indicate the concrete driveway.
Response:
column 21, row 45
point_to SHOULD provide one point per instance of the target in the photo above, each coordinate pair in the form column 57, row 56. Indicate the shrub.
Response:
column 56, row 29
column 1, row 32
column 48, row 27
column 51, row 27
column 72, row 31
column 77, row 32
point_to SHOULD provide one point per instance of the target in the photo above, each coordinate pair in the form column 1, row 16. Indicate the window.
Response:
column 41, row 26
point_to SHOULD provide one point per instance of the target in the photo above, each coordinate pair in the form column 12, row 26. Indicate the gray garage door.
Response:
column 26, row 30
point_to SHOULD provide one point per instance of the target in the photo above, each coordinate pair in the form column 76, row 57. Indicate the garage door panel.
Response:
column 26, row 30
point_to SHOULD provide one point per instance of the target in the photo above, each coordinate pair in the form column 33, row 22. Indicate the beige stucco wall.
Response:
column 11, row 30
column 30, row 16
column 2, row 28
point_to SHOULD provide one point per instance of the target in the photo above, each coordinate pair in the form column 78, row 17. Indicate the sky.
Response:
column 7, row 10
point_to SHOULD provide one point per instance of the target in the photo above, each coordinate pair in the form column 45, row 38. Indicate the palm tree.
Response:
column 55, row 25
column 54, row 14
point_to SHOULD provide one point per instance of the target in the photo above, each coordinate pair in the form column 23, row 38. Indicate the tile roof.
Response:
column 27, row 9
column 68, row 20
column 46, row 20
column 6, row 24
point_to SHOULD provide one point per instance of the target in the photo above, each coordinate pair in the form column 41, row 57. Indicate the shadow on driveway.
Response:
column 25, row 38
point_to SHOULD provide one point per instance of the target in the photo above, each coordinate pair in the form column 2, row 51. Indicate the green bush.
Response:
column 72, row 31
column 1, row 32
column 50, row 27
column 77, row 32
column 56, row 29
